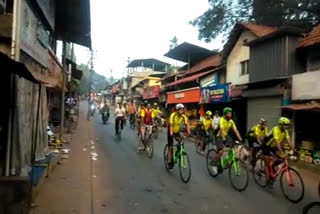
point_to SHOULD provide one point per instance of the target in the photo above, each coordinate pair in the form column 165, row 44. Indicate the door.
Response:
column 266, row 107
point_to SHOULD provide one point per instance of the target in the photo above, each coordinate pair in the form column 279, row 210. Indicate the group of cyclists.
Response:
column 224, row 128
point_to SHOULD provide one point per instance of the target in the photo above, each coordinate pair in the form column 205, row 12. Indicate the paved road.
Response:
column 135, row 184
column 126, row 182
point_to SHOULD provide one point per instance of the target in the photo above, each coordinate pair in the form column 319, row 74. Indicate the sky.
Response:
column 140, row 29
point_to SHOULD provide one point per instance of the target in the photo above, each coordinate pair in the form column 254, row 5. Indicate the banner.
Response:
column 151, row 92
column 215, row 94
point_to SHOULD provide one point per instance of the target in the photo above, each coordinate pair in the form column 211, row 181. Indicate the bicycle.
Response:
column 148, row 141
column 180, row 156
column 244, row 153
column 286, row 174
column 313, row 207
column 208, row 140
column 231, row 162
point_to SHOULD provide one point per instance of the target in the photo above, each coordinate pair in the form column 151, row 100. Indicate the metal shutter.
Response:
column 266, row 107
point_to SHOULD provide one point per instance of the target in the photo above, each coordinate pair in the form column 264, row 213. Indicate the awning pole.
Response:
column 64, row 65
column 15, row 55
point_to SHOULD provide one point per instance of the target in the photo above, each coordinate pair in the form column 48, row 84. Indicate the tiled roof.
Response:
column 210, row 62
column 311, row 39
column 259, row 30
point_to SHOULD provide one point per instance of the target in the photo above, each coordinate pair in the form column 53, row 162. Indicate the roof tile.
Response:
column 259, row 30
column 312, row 39
column 210, row 62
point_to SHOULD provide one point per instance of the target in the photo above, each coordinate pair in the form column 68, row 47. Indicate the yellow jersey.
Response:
column 176, row 121
column 140, row 111
column 225, row 126
column 207, row 124
column 277, row 136
column 155, row 112
column 257, row 131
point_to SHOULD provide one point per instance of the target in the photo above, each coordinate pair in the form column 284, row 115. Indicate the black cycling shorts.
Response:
column 221, row 142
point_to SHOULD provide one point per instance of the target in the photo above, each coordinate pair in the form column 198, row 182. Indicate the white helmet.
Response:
column 179, row 106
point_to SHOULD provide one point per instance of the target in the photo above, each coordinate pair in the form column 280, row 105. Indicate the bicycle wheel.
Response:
column 294, row 190
column 184, row 167
column 239, row 175
column 149, row 147
column 165, row 157
column 212, row 166
column 258, row 173
column 156, row 133
column 197, row 146
column 312, row 208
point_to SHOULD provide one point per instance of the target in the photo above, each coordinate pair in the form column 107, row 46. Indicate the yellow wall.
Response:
column 153, row 82
column 238, row 54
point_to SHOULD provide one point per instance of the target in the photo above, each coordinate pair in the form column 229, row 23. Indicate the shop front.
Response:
column 190, row 98
column 306, row 114
column 151, row 93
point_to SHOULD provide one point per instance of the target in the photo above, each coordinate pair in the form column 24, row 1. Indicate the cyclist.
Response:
column 120, row 115
column 257, row 134
column 140, row 111
column 146, row 119
column 278, row 136
column 176, row 120
column 156, row 113
column 216, row 119
column 206, row 124
column 132, row 112
column 223, row 137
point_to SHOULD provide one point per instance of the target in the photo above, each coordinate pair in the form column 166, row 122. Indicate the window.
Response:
column 244, row 67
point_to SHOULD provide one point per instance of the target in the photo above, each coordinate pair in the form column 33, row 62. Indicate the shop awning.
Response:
column 308, row 106
column 9, row 65
column 191, row 95
column 73, row 21
column 189, row 79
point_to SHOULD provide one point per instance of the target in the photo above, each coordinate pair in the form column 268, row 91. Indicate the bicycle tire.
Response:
column 282, row 188
column 165, row 152
column 149, row 148
column 197, row 146
column 242, row 171
column 312, row 208
column 258, row 173
column 211, row 153
column 185, row 179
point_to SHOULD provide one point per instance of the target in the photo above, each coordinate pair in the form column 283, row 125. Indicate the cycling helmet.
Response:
column 284, row 121
column 145, row 103
column 208, row 113
column 179, row 106
column 227, row 110
column 155, row 104
column 263, row 121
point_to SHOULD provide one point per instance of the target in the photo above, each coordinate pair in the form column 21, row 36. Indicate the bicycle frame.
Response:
column 230, row 159
column 284, row 167
column 176, row 155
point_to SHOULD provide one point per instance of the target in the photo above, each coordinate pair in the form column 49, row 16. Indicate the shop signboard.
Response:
column 151, row 92
column 306, row 86
column 48, row 8
column 209, row 80
column 191, row 95
column 215, row 94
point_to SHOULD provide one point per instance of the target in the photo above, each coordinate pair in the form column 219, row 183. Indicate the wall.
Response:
column 153, row 82
column 238, row 54
column 274, row 58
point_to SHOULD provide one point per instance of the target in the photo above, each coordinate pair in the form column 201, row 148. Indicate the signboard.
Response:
column 306, row 86
column 215, row 94
column 209, row 80
column 151, row 92
column 29, row 35
column 191, row 95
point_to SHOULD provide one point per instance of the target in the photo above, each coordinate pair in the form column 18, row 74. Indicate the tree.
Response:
column 224, row 14
column 173, row 42
column 98, row 81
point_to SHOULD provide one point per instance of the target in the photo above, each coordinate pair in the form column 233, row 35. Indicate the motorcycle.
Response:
column 105, row 116
column 92, row 110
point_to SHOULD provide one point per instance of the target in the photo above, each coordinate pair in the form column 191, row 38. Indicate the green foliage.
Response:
column 224, row 14
column 173, row 42
column 99, row 82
